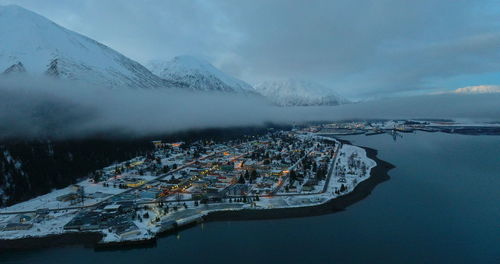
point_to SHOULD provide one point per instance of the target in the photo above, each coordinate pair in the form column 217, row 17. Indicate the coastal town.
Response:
column 179, row 183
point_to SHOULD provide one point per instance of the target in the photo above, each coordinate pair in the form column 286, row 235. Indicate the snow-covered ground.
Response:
column 53, row 225
column 49, row 200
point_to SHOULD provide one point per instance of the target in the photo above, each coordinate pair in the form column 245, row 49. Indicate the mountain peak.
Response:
column 297, row 92
column 197, row 74
column 13, row 9
column 181, row 64
column 36, row 42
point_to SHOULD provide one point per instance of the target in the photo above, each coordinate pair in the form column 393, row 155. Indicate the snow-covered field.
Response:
column 52, row 226
column 49, row 200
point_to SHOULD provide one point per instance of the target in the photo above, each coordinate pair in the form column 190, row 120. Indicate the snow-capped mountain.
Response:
column 294, row 92
column 198, row 75
column 33, row 44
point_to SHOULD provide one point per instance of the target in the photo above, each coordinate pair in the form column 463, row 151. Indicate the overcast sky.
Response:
column 359, row 48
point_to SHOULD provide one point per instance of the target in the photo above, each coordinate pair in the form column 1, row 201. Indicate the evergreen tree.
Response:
column 241, row 180
column 254, row 175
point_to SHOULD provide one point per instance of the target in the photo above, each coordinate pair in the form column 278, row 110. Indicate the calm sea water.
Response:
column 441, row 205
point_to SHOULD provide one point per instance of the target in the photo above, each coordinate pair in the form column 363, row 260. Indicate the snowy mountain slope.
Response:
column 198, row 75
column 294, row 92
column 36, row 45
column 15, row 68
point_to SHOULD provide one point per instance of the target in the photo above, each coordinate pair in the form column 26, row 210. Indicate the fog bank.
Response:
column 57, row 109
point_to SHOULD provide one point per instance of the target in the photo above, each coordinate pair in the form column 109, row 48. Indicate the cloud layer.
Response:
column 45, row 108
column 478, row 89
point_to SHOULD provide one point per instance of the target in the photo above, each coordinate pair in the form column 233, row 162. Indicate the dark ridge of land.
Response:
column 378, row 175
column 483, row 131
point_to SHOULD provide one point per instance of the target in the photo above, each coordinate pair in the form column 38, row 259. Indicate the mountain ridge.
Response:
column 296, row 92
column 197, row 75
column 41, row 46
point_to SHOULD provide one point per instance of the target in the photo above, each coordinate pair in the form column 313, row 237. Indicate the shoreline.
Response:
column 363, row 189
column 85, row 239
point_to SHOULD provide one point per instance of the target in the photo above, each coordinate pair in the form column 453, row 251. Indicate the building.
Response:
column 21, row 218
column 74, row 224
column 149, row 194
column 307, row 188
column 112, row 207
column 157, row 143
column 133, row 184
column 75, row 188
column 67, row 197
column 126, row 230
column 89, row 226
column 17, row 226
column 237, row 189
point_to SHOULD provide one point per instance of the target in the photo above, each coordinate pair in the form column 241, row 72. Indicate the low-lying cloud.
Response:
column 55, row 109
column 478, row 89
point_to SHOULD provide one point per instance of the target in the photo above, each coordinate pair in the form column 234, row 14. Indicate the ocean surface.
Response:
column 441, row 205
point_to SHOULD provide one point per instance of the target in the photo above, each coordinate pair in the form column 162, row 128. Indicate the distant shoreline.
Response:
column 378, row 175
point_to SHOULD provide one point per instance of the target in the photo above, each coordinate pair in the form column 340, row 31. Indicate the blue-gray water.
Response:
column 441, row 205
